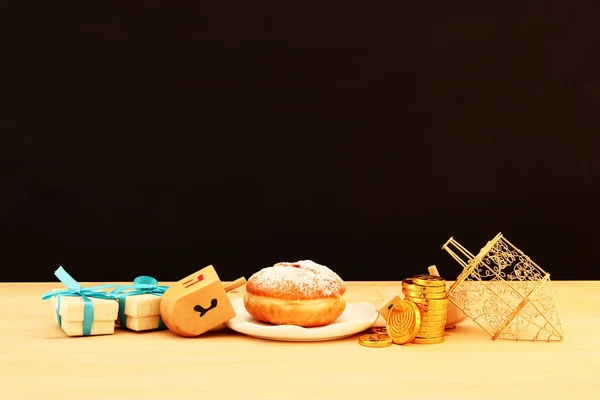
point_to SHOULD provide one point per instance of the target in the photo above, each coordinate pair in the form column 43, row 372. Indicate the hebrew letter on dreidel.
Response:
column 202, row 310
column 197, row 303
column 191, row 282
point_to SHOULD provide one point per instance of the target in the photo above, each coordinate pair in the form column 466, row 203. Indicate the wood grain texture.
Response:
column 40, row 361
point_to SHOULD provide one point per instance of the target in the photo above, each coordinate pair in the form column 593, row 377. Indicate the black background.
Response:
column 157, row 138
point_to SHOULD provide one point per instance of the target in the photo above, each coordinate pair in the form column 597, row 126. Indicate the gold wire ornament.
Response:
column 505, row 292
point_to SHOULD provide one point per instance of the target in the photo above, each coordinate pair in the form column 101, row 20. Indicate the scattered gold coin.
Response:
column 403, row 322
column 375, row 340
column 428, row 341
column 428, row 280
column 380, row 330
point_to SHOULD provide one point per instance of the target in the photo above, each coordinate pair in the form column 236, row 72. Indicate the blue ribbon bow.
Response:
column 141, row 285
column 74, row 289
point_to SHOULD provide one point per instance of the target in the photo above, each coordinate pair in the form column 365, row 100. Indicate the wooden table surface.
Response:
column 39, row 361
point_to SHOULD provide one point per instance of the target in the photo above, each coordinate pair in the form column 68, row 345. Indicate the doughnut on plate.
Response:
column 356, row 318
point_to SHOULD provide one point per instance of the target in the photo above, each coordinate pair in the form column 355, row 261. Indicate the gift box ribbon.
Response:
column 141, row 285
column 74, row 289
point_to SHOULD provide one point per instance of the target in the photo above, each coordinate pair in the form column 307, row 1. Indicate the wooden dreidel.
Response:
column 388, row 300
column 139, row 304
column 83, row 311
column 197, row 303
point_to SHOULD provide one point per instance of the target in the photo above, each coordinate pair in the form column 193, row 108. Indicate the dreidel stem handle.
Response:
column 235, row 284
column 433, row 270
column 379, row 292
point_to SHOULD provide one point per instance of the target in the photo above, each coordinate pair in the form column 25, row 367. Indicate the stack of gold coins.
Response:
column 428, row 292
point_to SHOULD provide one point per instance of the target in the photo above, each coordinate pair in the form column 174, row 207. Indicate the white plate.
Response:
column 355, row 318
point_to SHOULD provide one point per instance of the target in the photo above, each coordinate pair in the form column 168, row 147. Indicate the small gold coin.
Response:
column 432, row 325
column 431, row 303
column 435, row 307
column 428, row 280
column 380, row 330
column 419, row 295
column 433, row 311
column 430, row 335
column 435, row 319
column 403, row 322
column 427, row 333
column 428, row 309
column 375, row 340
column 409, row 285
column 428, row 341
column 431, row 328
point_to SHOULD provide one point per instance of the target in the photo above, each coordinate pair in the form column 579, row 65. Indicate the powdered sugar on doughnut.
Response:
column 300, row 280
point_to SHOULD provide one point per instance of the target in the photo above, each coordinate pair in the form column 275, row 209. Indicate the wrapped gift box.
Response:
column 83, row 311
column 71, row 311
column 139, row 304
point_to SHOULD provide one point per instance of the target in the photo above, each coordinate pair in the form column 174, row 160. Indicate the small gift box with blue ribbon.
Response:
column 83, row 311
column 139, row 304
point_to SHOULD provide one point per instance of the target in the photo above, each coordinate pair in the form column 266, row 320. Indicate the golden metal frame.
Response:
column 505, row 292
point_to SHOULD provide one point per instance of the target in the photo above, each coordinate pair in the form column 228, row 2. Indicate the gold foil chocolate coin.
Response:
column 432, row 317
column 434, row 313
column 431, row 329
column 428, row 341
column 375, row 340
column 428, row 309
column 438, row 331
column 419, row 295
column 407, row 284
column 426, row 325
column 428, row 319
column 428, row 280
column 380, row 330
column 431, row 303
column 403, row 322
column 429, row 335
